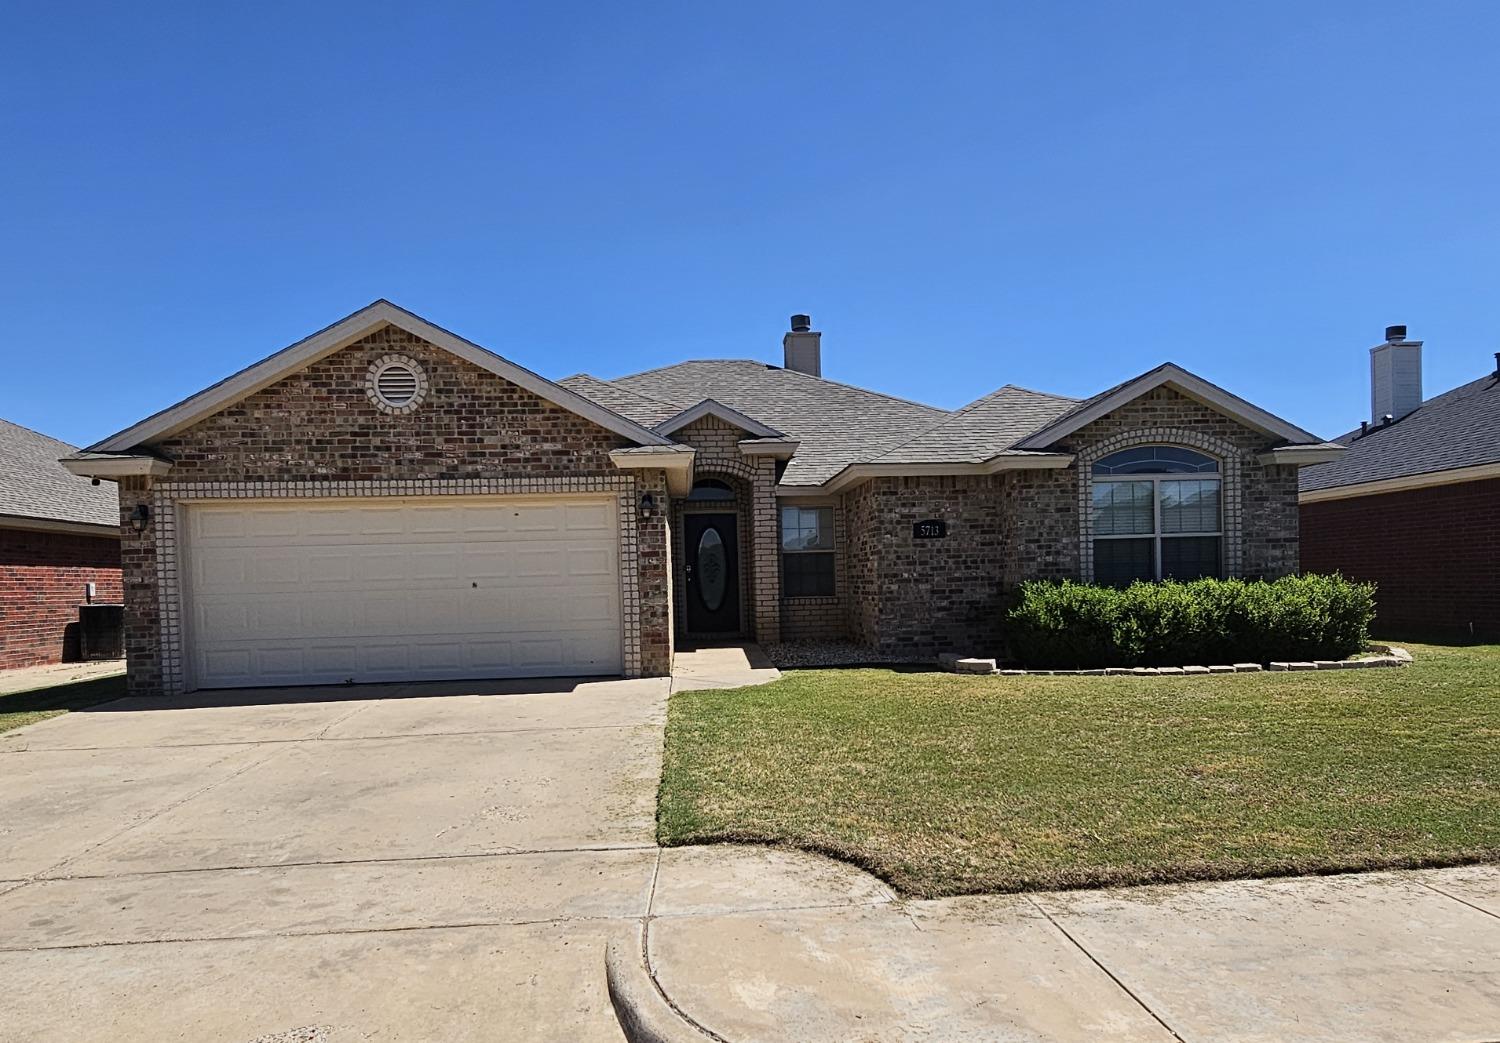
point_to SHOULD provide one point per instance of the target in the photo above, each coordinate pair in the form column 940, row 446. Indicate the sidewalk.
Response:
column 750, row 943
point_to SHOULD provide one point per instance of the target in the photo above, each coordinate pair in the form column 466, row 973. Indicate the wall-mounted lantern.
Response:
column 648, row 505
column 140, row 517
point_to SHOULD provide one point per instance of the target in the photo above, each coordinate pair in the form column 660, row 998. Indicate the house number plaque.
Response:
column 932, row 529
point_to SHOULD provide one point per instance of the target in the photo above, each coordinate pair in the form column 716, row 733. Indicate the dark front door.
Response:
column 712, row 571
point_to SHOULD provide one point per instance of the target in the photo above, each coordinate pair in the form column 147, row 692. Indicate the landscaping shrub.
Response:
column 1206, row 621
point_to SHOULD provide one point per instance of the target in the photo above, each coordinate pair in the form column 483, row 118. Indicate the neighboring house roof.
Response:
column 33, row 485
column 340, row 335
column 835, row 423
column 1457, row 429
column 983, row 428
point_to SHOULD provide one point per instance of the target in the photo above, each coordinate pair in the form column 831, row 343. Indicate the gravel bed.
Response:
column 798, row 654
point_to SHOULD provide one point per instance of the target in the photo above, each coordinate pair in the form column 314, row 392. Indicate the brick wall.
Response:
column 921, row 597
column 1435, row 554
column 319, row 425
column 930, row 595
column 42, row 580
column 863, row 536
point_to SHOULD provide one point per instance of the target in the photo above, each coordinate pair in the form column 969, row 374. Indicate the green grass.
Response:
column 22, row 708
column 943, row 784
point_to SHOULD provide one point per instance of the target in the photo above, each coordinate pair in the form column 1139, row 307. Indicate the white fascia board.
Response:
column 1452, row 476
column 116, row 467
column 854, row 474
column 1191, row 385
column 709, row 407
column 780, row 448
column 340, row 335
column 72, row 528
column 1301, row 455
column 676, row 461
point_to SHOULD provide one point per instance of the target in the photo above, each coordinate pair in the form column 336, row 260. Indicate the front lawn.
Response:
column 944, row 784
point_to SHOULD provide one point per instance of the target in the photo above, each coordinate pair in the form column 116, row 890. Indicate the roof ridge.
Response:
column 799, row 373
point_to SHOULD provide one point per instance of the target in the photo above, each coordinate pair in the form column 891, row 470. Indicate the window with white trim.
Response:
column 807, row 566
column 1157, row 514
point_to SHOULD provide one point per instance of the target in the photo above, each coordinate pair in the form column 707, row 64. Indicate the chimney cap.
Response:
column 801, row 323
column 1395, row 334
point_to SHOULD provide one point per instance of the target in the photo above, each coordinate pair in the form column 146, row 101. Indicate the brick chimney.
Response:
column 1395, row 377
column 803, row 347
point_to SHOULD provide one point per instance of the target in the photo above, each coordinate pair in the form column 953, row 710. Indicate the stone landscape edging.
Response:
column 1390, row 656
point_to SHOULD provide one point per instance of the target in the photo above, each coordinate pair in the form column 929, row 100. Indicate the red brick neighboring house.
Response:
column 58, row 534
column 386, row 501
column 1414, row 505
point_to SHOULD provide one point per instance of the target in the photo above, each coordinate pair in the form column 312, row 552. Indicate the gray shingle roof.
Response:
column 630, row 404
column 981, row 429
column 836, row 423
column 34, row 485
column 1459, row 428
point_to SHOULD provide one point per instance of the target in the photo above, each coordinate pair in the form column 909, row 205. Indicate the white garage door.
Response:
column 321, row 592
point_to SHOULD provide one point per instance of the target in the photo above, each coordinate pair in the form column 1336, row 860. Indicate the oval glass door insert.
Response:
column 713, row 569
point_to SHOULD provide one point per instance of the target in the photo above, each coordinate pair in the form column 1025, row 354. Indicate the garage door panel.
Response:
column 407, row 590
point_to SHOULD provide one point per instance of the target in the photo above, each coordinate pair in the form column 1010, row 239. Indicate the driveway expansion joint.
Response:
column 1461, row 901
column 1109, row 973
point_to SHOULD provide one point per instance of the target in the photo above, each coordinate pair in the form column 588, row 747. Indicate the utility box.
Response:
column 101, row 631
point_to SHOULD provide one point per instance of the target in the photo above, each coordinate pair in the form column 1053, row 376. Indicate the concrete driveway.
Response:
column 443, row 861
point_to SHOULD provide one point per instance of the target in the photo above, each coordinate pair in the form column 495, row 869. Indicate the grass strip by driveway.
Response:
column 943, row 784
column 37, row 704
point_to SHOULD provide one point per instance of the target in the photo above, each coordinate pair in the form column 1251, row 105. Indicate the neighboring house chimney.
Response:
column 803, row 347
column 1395, row 376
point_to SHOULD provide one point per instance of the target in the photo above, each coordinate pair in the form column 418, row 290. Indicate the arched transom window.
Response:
column 1157, row 515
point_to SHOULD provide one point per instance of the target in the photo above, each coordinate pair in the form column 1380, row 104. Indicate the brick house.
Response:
column 59, row 548
column 1414, row 504
column 388, row 501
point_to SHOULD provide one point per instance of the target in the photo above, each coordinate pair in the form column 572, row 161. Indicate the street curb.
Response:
column 643, row 1012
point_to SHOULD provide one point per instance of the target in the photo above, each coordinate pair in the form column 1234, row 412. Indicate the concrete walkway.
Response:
column 757, row 944
column 695, row 668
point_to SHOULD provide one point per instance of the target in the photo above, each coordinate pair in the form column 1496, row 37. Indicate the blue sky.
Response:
column 962, row 195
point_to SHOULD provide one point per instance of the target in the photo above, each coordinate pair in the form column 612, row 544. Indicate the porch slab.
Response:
column 737, row 665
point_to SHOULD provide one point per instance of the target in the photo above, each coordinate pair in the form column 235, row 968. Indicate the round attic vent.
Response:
column 396, row 384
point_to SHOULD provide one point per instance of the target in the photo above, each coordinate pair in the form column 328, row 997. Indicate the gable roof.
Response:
column 708, row 407
column 1179, row 379
column 1457, row 429
column 983, row 428
column 835, row 423
column 34, row 485
column 340, row 335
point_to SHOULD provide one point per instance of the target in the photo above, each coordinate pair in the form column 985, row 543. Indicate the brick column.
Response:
column 142, row 599
column 767, row 537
